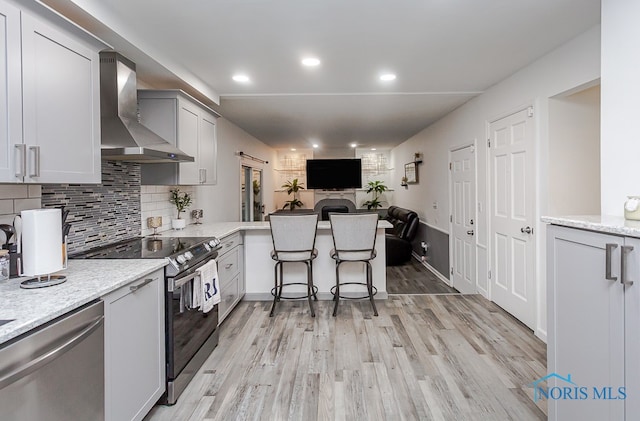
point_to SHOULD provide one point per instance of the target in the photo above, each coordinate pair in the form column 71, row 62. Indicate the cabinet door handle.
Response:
column 203, row 175
column 609, row 247
column 134, row 288
column 21, row 159
column 229, row 244
column 36, row 161
column 623, row 265
column 228, row 265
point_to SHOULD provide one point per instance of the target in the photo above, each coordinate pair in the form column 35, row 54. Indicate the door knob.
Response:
column 526, row 230
column 470, row 232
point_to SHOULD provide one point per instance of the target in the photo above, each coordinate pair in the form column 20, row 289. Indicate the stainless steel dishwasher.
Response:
column 56, row 372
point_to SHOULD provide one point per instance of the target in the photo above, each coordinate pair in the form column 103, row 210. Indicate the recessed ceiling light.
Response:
column 353, row 145
column 310, row 61
column 293, row 149
column 387, row 77
column 315, row 146
column 241, row 78
column 373, row 149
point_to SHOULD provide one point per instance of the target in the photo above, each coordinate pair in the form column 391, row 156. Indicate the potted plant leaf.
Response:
column 377, row 188
column 293, row 187
column 181, row 201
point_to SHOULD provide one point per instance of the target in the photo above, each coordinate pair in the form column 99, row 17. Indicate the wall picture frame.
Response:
column 411, row 172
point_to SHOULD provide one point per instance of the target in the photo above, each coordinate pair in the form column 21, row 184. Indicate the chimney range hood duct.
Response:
column 123, row 137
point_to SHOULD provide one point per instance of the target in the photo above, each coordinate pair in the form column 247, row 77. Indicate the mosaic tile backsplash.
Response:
column 100, row 214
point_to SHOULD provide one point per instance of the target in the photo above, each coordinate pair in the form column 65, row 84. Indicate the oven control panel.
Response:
column 195, row 254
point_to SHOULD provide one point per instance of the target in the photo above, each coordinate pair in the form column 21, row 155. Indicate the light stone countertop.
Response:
column 223, row 229
column 87, row 280
column 600, row 223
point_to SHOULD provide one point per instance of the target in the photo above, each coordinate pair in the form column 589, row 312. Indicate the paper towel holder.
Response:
column 43, row 248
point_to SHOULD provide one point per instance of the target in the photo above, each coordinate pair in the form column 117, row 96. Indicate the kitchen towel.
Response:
column 41, row 241
column 207, row 293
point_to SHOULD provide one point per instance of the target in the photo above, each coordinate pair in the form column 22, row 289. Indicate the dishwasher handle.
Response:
column 51, row 355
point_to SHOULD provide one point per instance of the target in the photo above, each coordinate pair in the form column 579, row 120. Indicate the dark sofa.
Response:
column 398, row 239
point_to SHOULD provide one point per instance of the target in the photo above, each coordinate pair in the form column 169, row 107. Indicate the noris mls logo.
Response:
column 567, row 389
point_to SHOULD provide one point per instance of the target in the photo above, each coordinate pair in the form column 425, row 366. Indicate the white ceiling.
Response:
column 444, row 53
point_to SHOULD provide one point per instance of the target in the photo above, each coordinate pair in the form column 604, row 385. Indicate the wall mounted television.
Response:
column 328, row 174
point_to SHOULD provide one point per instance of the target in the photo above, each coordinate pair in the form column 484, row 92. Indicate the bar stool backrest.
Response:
column 293, row 233
column 354, row 235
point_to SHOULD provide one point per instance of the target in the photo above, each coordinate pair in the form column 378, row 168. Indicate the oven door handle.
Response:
column 181, row 281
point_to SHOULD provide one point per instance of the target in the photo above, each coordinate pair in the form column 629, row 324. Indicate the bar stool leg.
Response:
column 310, row 288
column 281, row 279
column 336, row 297
column 370, row 287
column 275, row 289
column 315, row 296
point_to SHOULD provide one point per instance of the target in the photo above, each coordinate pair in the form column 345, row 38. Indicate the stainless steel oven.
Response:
column 191, row 335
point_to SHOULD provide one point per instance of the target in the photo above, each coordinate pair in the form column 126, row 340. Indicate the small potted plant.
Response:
column 293, row 187
column 181, row 201
column 377, row 188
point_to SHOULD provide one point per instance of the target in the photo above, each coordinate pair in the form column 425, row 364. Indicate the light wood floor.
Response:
column 442, row 357
column 414, row 278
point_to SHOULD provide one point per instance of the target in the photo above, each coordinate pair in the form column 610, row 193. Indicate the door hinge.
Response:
column 450, row 166
column 530, row 111
column 450, row 218
column 488, row 143
column 489, row 274
column 452, row 270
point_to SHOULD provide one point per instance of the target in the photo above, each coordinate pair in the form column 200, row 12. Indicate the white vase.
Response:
column 178, row 224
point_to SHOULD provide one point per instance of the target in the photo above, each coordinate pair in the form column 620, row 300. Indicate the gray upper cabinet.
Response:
column 187, row 124
column 50, row 103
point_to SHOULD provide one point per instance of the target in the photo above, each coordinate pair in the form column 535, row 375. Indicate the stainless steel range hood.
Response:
column 123, row 137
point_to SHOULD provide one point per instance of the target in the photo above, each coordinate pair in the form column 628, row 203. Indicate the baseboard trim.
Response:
column 432, row 269
column 323, row 296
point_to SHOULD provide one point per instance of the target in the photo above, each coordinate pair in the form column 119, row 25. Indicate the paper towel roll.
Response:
column 41, row 241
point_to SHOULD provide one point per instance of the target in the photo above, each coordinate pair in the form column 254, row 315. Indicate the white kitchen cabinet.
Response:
column 187, row 124
column 230, row 274
column 134, row 348
column 593, row 323
column 50, row 99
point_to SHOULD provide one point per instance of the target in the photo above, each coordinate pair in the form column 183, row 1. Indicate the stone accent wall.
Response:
column 100, row 214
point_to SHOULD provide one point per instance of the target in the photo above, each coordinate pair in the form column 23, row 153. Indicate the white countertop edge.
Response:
column 600, row 223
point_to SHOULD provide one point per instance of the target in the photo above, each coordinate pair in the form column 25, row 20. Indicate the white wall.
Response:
column 222, row 201
column 571, row 65
column 574, row 153
column 620, row 144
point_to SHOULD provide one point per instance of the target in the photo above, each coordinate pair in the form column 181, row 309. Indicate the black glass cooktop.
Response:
column 141, row 248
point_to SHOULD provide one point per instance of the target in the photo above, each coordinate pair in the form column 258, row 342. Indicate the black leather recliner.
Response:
column 398, row 239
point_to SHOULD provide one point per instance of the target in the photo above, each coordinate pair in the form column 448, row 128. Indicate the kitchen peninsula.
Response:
column 259, row 265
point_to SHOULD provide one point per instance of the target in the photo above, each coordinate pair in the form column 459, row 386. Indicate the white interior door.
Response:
column 463, row 219
column 512, row 214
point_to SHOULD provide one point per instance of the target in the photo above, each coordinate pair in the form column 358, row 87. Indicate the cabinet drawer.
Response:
column 229, row 265
column 229, row 242
column 229, row 297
